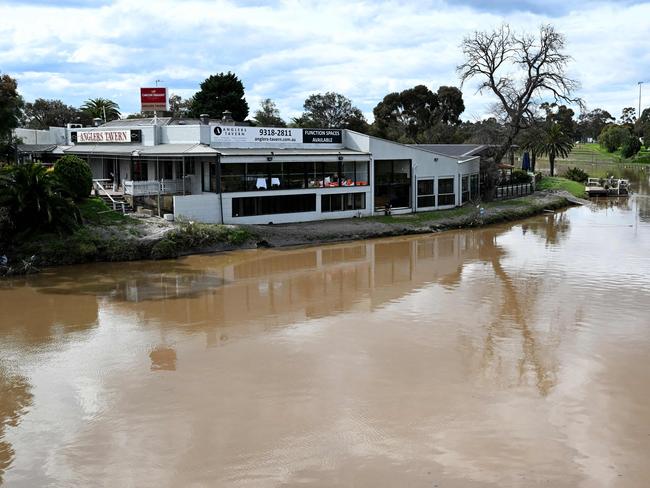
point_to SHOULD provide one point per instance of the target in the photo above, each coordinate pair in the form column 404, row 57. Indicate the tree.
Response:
column 630, row 147
column 74, row 175
column 450, row 104
column 562, row 115
column 101, row 108
column 517, row 70
column 554, row 143
column 642, row 127
column 43, row 114
column 613, row 137
column 218, row 93
column 628, row 116
column 591, row 124
column 331, row 110
column 402, row 116
column 529, row 140
column 35, row 200
column 268, row 115
column 11, row 104
column 178, row 107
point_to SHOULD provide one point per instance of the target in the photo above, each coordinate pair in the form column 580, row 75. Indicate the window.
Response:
column 464, row 189
column 257, row 177
column 426, row 195
column 295, row 175
column 361, row 174
column 140, row 171
column 233, row 177
column 209, row 177
column 249, row 206
column 393, row 183
column 342, row 201
column 446, row 195
column 473, row 185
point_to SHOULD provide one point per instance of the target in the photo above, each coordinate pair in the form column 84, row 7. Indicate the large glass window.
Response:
column 362, row 177
column 393, row 183
column 249, row 206
column 233, row 177
column 464, row 189
column 426, row 195
column 446, row 194
column 331, row 174
column 295, row 175
column 473, row 185
column 342, row 201
column 257, row 177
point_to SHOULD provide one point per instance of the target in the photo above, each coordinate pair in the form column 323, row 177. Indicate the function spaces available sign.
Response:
column 262, row 136
column 153, row 99
column 322, row 136
column 99, row 136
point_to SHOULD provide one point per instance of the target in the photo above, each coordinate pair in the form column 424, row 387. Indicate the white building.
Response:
column 210, row 172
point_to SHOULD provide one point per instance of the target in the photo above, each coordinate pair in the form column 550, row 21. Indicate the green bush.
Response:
column 613, row 137
column 519, row 177
column 75, row 176
column 631, row 147
column 576, row 174
column 193, row 236
column 34, row 202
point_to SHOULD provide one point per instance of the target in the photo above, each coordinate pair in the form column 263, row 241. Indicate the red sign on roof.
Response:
column 153, row 99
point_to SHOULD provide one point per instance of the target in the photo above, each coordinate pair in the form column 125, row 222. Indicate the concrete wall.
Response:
column 54, row 135
column 180, row 134
column 201, row 208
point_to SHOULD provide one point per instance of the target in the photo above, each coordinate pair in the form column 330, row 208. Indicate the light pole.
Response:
column 639, row 113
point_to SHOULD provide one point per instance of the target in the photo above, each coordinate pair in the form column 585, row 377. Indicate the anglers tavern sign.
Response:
column 98, row 136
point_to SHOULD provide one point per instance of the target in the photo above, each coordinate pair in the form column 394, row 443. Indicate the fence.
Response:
column 152, row 187
column 513, row 191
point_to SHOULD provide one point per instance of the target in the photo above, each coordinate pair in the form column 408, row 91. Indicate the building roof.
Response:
column 453, row 150
column 36, row 148
column 104, row 148
column 175, row 149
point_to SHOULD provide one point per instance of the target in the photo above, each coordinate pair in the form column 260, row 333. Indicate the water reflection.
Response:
column 480, row 356
column 15, row 399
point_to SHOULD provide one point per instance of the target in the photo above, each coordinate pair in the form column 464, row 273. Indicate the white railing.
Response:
column 153, row 187
column 100, row 189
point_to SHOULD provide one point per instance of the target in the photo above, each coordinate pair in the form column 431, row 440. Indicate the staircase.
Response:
column 120, row 203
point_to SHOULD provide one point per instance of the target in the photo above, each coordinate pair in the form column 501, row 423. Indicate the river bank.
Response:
column 112, row 238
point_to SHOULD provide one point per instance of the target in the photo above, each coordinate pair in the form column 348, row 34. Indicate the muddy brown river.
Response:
column 515, row 355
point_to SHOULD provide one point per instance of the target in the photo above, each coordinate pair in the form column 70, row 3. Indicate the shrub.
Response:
column 576, row 174
column 519, row 177
column 75, row 176
column 613, row 137
column 631, row 147
column 193, row 236
column 34, row 202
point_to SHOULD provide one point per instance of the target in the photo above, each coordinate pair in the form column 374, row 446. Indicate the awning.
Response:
column 178, row 150
column 36, row 148
column 104, row 148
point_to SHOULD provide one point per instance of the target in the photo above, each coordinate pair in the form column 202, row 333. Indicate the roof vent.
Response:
column 204, row 118
column 226, row 118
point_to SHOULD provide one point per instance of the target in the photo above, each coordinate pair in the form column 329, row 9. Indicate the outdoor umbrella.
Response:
column 525, row 163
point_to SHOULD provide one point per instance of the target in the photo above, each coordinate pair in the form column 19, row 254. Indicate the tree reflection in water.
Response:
column 15, row 399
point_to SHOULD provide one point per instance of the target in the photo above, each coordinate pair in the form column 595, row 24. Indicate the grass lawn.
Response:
column 94, row 211
column 557, row 183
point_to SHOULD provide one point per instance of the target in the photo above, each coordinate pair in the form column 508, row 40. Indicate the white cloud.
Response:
column 290, row 49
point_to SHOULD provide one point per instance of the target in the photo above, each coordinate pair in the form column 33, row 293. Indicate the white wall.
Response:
column 180, row 134
column 201, row 208
column 54, row 135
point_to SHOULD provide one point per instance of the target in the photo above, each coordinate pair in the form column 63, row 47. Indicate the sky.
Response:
column 286, row 50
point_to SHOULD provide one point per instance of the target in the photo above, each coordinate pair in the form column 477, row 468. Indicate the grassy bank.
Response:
column 558, row 183
column 107, row 236
column 110, row 236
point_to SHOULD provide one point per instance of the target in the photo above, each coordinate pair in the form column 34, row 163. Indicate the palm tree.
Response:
column 35, row 200
column 554, row 143
column 101, row 108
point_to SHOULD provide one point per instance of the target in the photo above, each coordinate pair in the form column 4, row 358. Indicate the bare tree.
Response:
column 521, row 71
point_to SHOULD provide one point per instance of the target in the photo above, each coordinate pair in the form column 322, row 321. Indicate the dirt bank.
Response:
column 419, row 223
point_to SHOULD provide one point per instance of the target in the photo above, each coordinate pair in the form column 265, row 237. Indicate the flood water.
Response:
column 514, row 355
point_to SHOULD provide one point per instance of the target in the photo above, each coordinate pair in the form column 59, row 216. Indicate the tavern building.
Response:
column 216, row 172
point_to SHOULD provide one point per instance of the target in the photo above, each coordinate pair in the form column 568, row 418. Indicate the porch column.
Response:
column 183, row 175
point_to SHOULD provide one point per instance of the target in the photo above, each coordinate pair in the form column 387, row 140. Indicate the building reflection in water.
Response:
column 15, row 399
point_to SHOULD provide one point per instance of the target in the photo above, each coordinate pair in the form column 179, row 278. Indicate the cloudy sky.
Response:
column 286, row 50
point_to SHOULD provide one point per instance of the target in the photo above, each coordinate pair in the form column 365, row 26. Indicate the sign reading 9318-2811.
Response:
column 264, row 136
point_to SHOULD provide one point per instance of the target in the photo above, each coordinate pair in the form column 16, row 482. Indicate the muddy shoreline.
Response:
column 155, row 240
